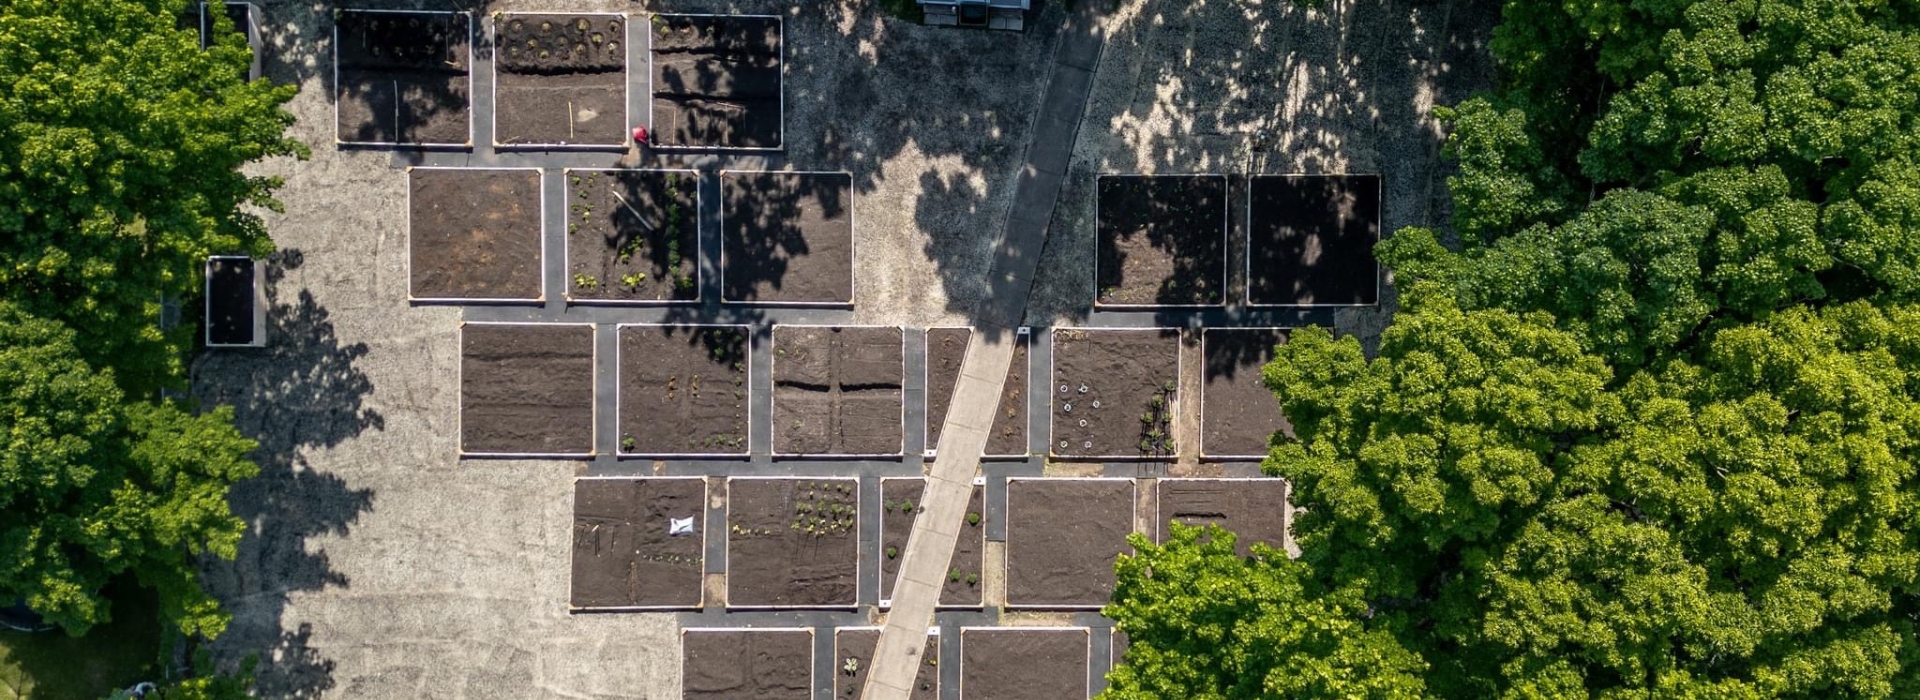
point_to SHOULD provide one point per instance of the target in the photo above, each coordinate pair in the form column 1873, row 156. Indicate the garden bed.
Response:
column 626, row 553
column 857, row 644
column 241, row 24
column 899, row 505
column 946, row 349
column 716, row 82
column 1163, row 240
column 837, row 391
column 1310, row 240
column 683, row 390
column 732, row 664
column 633, row 236
column 560, row 80
column 526, row 389
column 787, row 238
column 792, row 543
column 1254, row 510
column 1113, row 393
column 1238, row 413
column 473, row 235
column 402, row 78
column 236, row 312
column 1025, row 663
column 1063, row 536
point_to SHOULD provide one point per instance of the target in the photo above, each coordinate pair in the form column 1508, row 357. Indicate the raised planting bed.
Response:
column 899, row 505
column 633, row 236
column 837, row 390
column 236, row 311
column 1119, row 648
column 1238, row 413
column 716, row 82
column 473, row 235
column 1113, row 393
column 787, row 238
column 734, row 664
column 242, row 24
column 1063, row 536
column 853, row 649
column 1163, row 240
column 560, row 80
column 1310, row 240
column 792, row 543
column 638, row 543
column 1254, row 510
column 402, row 78
column 526, row 389
column 1025, row 663
column 946, row 349
column 683, row 390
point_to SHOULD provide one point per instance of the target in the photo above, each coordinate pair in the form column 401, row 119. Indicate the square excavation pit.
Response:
column 473, row 235
column 236, row 308
column 716, row 82
column 1163, row 240
column 946, row 349
column 560, row 80
column 787, row 238
column 1254, row 510
column 734, row 664
column 402, row 78
column 792, row 543
column 899, row 504
column 526, row 389
column 633, row 236
column 683, row 391
column 858, row 644
column 1113, row 393
column 1025, row 663
column 1310, row 240
column 1238, row 413
column 837, row 391
column 1063, row 536
column 626, row 552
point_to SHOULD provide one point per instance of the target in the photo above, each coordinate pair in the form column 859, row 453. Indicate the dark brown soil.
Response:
column 1238, row 413
column 741, row 664
column 837, row 391
column 561, row 80
column 716, row 82
column 1255, row 510
column 792, row 542
column 632, row 235
column 1015, row 664
column 1163, row 240
column 559, row 43
column 900, row 504
column 230, row 301
column 788, row 237
column 622, row 554
column 475, row 234
column 1311, row 237
column 946, row 348
column 526, row 389
column 1120, row 384
column 403, row 77
column 683, row 390
column 859, row 644
column 1063, row 536
column 1120, row 644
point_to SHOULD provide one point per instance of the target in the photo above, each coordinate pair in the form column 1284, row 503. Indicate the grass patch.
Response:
column 54, row 666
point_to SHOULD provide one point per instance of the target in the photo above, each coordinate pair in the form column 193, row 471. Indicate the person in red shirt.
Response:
column 640, row 135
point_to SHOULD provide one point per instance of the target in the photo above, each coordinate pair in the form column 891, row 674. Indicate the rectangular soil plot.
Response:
column 638, row 543
column 792, row 543
column 683, row 390
column 736, row 664
column 560, row 80
column 716, row 82
column 946, row 349
column 1063, row 536
column 788, row 238
column 236, row 312
column 899, row 505
column 1310, row 240
column 1254, row 510
column 837, row 391
column 473, row 235
column 1024, row 663
column 402, row 78
column 633, row 236
column 1113, row 393
column 526, row 389
column 1238, row 413
column 857, row 644
column 1163, row 240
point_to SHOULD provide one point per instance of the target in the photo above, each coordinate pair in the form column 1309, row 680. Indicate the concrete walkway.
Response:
column 963, row 438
